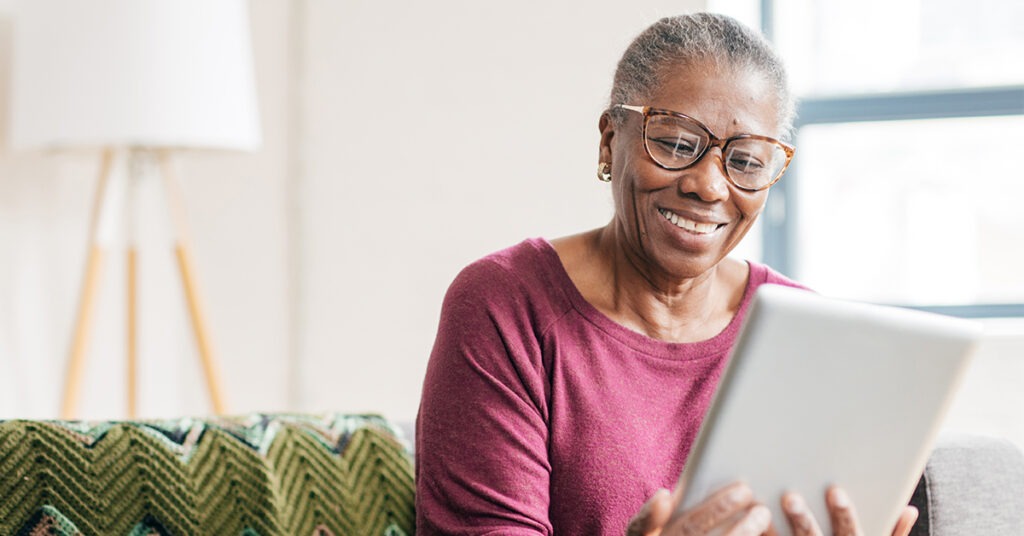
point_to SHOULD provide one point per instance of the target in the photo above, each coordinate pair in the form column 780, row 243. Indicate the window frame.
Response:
column 779, row 229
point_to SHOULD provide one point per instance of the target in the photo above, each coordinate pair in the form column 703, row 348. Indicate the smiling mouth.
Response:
column 689, row 225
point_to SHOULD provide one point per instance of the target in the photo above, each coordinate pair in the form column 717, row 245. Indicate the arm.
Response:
column 482, row 464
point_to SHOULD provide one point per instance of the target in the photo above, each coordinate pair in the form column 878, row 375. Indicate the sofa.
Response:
column 972, row 485
column 253, row 475
column 334, row 475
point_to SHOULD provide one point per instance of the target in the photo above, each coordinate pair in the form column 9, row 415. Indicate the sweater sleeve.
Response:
column 481, row 443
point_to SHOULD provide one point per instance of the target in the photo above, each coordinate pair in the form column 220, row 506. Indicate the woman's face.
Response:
column 729, row 102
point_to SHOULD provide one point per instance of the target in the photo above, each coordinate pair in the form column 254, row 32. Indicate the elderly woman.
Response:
column 569, row 378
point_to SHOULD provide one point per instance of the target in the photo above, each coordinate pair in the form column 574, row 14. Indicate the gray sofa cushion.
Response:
column 972, row 485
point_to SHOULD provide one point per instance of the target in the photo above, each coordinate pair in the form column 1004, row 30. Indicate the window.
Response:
column 923, row 204
column 903, row 189
column 874, row 46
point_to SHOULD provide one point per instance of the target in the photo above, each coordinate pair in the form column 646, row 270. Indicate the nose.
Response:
column 706, row 178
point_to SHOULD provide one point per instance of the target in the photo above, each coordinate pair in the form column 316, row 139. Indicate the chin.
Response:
column 691, row 266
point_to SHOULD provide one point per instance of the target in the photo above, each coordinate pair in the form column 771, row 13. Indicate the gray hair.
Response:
column 695, row 38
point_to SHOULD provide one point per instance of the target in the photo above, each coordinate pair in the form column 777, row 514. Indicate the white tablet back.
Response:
column 822, row 391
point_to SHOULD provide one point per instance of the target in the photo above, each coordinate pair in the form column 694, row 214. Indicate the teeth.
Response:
column 689, row 225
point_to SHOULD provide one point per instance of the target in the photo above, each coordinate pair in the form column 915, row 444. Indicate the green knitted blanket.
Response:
column 257, row 475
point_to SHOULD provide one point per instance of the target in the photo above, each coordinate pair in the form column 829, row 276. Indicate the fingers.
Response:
column 660, row 511
column 842, row 514
column 757, row 520
column 799, row 515
column 719, row 508
column 652, row 516
column 736, row 503
column 906, row 522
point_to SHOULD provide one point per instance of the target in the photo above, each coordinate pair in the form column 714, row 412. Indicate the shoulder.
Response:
column 526, row 277
column 505, row 266
column 761, row 274
column 515, row 268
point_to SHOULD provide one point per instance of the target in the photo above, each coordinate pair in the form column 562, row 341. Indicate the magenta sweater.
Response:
column 540, row 415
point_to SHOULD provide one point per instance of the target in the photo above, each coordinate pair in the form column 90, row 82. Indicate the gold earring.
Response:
column 604, row 172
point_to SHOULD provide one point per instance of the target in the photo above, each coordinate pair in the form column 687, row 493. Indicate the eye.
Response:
column 744, row 162
column 679, row 146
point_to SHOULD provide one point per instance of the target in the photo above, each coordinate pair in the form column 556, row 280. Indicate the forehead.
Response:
column 729, row 100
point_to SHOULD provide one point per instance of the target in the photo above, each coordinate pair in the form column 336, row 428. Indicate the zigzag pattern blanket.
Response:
column 257, row 475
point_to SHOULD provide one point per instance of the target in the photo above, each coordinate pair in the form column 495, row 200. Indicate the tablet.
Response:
column 820, row 391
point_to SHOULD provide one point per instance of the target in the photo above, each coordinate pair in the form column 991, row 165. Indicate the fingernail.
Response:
column 794, row 505
column 739, row 494
column 840, row 498
column 760, row 515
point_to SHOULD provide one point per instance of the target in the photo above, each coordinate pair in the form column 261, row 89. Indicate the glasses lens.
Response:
column 753, row 163
column 673, row 141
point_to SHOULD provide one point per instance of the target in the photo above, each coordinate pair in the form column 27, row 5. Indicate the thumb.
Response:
column 652, row 516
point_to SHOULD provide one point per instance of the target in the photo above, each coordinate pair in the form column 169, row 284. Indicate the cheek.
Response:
column 631, row 206
column 627, row 186
column 637, row 176
column 751, row 205
column 625, row 203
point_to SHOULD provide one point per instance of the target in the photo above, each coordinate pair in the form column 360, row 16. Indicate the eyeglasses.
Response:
column 677, row 141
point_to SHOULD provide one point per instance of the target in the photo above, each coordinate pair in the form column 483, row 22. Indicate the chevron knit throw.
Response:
column 257, row 475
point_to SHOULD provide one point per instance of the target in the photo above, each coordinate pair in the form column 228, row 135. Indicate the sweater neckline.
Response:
column 714, row 346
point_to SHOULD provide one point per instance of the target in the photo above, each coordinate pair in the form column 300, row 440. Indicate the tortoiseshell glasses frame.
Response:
column 751, row 162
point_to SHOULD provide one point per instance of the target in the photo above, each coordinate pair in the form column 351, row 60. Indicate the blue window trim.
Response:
column 779, row 219
column 989, row 310
column 974, row 102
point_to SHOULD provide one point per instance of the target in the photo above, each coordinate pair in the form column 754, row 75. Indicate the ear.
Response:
column 607, row 131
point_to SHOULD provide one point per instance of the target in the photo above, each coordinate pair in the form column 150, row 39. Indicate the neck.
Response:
column 660, row 305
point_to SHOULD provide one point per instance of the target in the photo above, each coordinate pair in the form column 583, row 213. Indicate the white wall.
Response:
column 432, row 134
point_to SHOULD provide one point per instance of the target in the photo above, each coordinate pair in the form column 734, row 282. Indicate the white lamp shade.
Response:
column 149, row 73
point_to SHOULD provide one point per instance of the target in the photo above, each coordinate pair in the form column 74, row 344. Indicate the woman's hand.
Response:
column 841, row 514
column 733, row 508
column 731, row 511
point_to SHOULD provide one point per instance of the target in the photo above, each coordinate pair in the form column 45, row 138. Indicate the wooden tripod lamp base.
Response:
column 100, row 238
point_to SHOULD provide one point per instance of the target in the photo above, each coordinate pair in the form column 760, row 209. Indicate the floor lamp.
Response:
column 143, row 78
